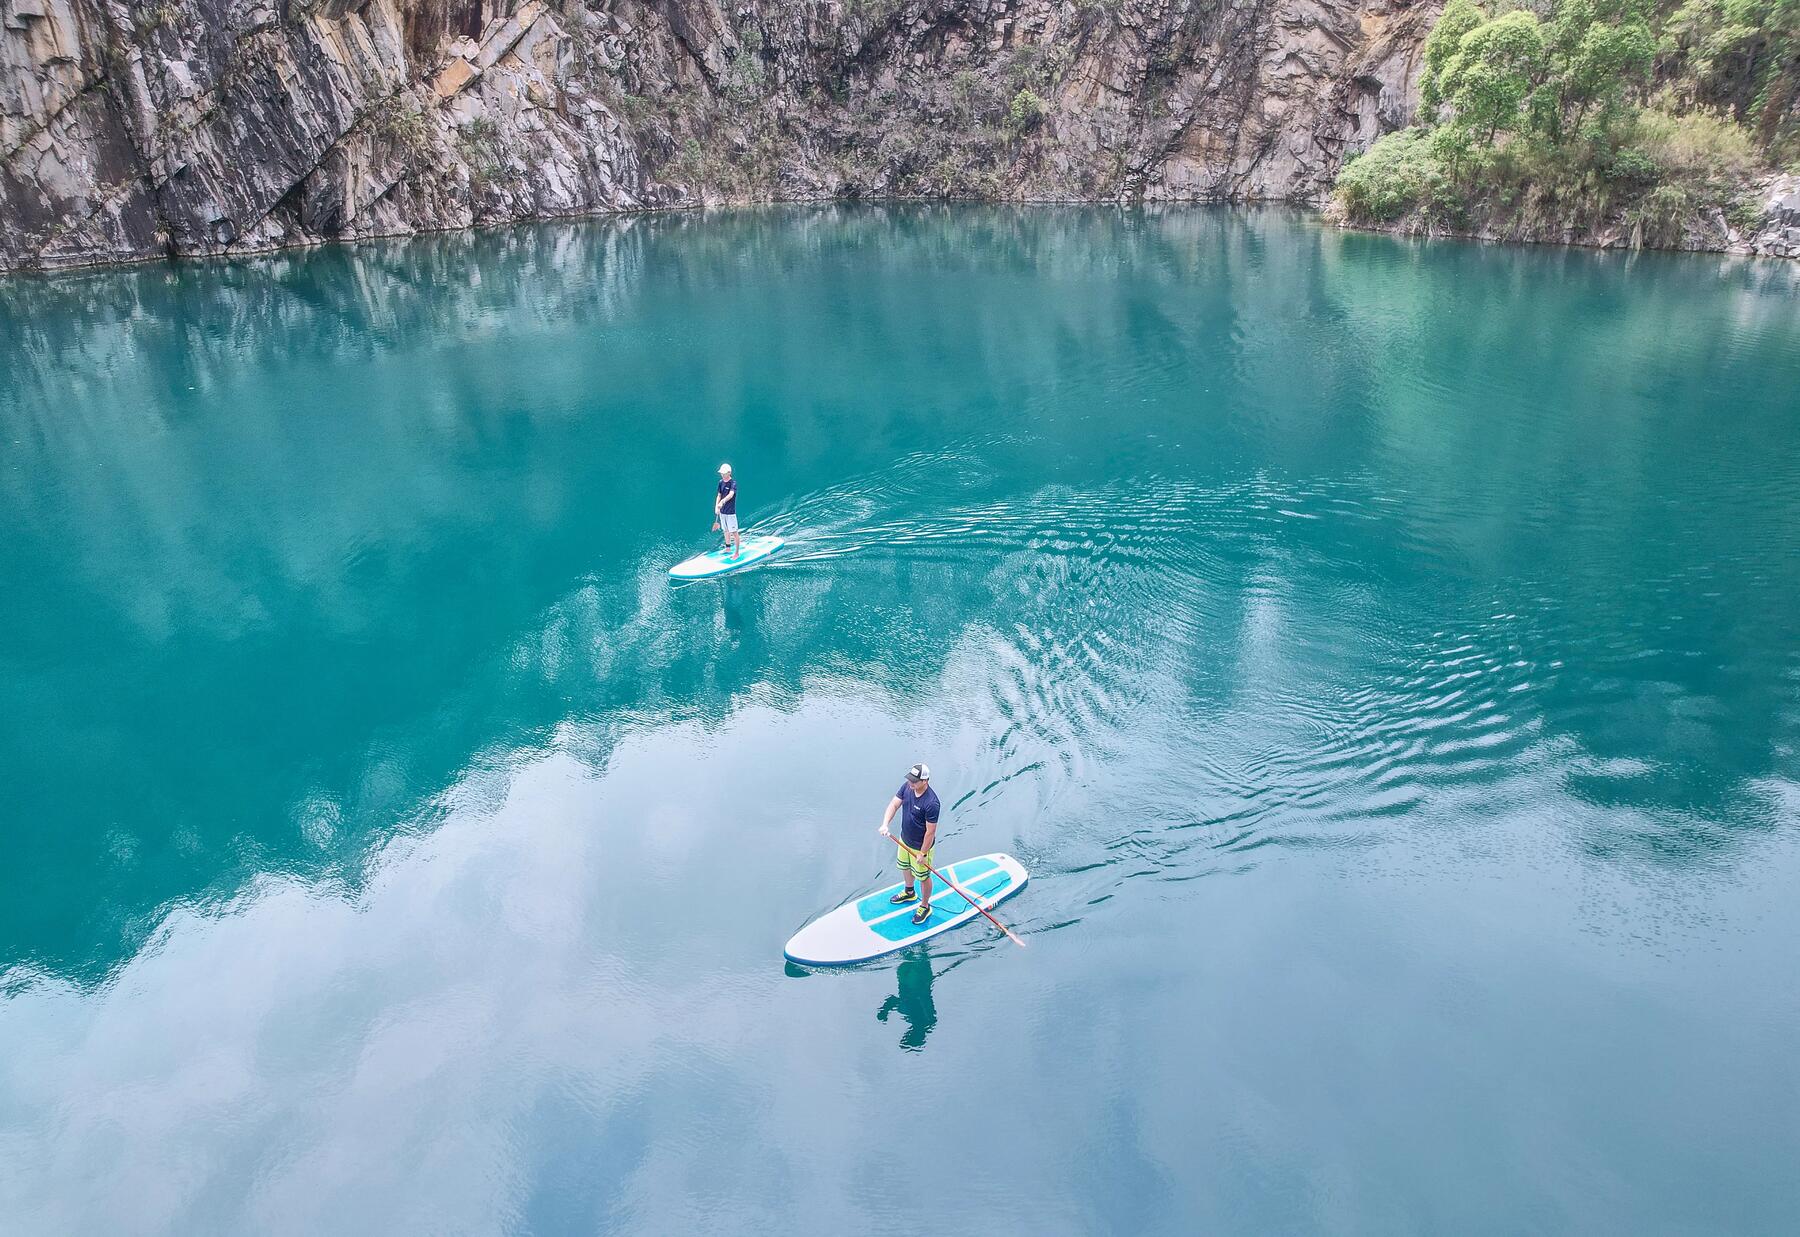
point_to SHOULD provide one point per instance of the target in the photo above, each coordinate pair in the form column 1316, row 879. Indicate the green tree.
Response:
column 1441, row 45
column 1486, row 81
column 1598, row 53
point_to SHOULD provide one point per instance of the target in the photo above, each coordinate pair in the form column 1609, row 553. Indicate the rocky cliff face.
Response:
column 136, row 128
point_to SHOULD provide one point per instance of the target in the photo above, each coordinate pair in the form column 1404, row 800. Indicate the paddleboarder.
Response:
column 725, row 511
column 917, row 804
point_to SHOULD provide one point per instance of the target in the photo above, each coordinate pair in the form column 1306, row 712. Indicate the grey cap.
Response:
column 920, row 772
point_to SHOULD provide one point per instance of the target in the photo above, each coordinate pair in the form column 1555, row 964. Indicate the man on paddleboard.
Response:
column 917, row 804
column 725, row 511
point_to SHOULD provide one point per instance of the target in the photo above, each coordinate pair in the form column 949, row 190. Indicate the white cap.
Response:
column 724, row 469
column 920, row 772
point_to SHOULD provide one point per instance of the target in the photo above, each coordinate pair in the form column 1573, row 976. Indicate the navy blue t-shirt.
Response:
column 728, row 495
column 915, row 811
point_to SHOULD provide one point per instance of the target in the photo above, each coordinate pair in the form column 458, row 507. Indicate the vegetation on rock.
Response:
column 1568, row 119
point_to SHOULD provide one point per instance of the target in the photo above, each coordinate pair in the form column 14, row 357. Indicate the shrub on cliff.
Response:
column 1396, row 175
column 1695, row 148
column 1699, row 162
column 1027, row 111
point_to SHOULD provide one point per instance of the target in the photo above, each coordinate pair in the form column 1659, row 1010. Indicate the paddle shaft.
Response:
column 964, row 892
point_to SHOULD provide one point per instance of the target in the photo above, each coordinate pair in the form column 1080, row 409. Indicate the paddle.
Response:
column 964, row 892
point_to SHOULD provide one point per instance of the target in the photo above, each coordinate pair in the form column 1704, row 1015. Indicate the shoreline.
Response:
column 1777, row 235
column 1327, row 214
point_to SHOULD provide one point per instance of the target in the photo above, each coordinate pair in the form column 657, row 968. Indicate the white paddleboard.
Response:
column 872, row 926
column 751, row 551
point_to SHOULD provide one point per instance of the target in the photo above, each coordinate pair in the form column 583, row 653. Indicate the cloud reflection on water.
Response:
column 429, row 864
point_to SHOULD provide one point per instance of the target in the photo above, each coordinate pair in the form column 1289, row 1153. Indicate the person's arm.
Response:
column 888, row 816
column 930, row 835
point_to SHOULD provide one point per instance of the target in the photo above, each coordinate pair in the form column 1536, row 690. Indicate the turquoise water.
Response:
column 1383, row 656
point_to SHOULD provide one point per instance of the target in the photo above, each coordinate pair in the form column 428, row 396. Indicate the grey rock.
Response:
column 1776, row 233
column 1784, row 208
column 137, row 128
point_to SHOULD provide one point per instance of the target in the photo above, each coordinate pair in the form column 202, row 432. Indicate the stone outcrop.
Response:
column 1777, row 233
column 129, row 130
column 137, row 128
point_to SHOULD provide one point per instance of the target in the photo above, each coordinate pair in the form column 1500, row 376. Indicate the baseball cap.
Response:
column 920, row 772
column 724, row 468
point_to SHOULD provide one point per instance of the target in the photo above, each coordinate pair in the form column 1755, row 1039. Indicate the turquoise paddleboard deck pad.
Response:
column 751, row 551
column 872, row 925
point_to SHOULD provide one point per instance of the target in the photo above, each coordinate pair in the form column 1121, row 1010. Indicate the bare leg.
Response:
column 925, row 890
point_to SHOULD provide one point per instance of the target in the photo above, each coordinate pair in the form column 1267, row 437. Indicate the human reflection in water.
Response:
column 913, row 1000
column 732, row 603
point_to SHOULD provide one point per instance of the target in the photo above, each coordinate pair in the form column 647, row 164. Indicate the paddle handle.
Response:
column 966, row 896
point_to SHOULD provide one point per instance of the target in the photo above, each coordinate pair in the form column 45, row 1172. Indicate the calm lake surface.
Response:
column 1385, row 657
